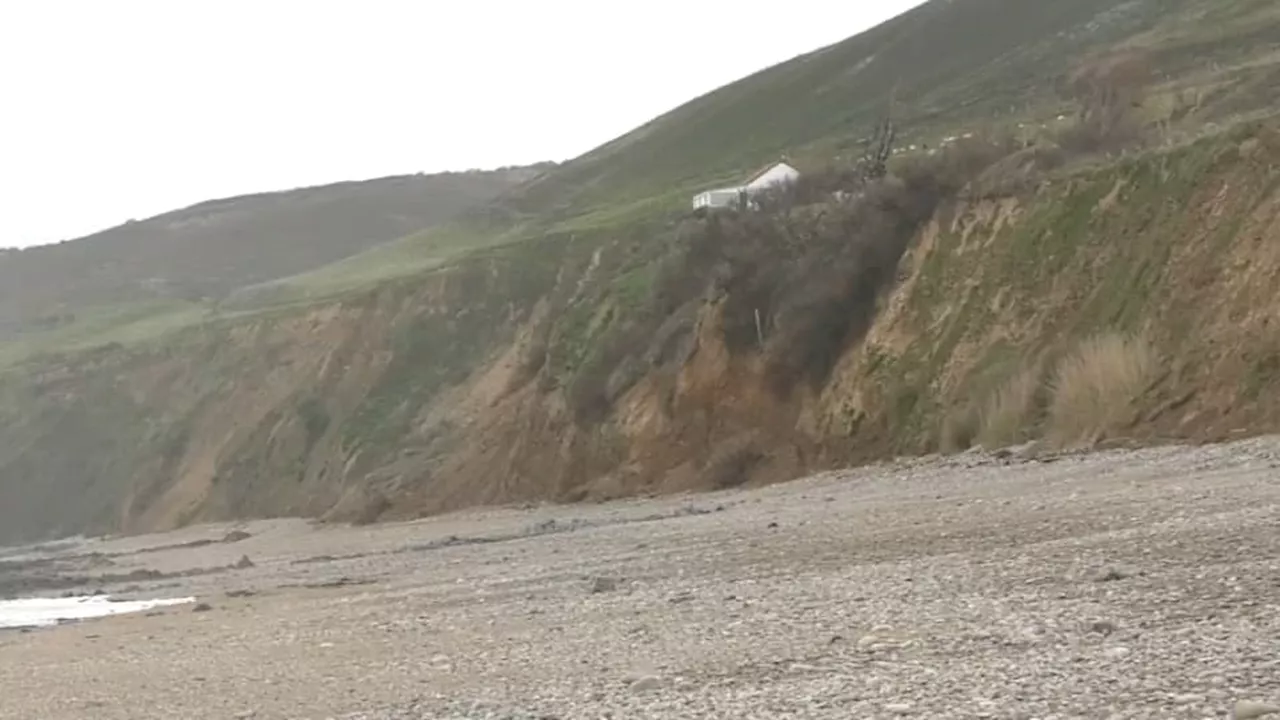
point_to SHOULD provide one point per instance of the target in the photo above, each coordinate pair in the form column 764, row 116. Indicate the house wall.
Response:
column 716, row 198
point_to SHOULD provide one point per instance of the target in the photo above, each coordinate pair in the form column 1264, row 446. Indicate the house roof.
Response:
column 754, row 176
column 773, row 164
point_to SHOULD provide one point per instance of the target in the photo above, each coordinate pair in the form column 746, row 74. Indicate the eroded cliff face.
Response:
column 293, row 413
column 447, row 391
column 1181, row 249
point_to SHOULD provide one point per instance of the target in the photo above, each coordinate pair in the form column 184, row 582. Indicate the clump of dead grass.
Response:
column 730, row 466
column 959, row 428
column 1095, row 389
column 1010, row 415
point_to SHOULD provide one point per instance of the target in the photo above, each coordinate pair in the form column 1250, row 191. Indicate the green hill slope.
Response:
column 955, row 62
column 949, row 65
column 208, row 250
column 942, row 69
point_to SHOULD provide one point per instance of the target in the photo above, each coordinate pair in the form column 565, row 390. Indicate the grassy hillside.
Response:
column 1095, row 265
column 208, row 250
column 942, row 69
column 931, row 57
column 947, row 65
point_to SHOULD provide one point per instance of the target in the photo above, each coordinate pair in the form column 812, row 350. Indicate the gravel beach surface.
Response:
column 1123, row 584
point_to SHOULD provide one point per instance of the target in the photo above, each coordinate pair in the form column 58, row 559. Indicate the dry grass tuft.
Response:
column 1096, row 388
column 958, row 430
column 731, row 464
column 1010, row 415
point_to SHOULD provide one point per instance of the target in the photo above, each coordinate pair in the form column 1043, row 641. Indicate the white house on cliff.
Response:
column 772, row 176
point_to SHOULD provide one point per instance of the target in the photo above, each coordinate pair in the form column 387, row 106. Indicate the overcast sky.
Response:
column 125, row 109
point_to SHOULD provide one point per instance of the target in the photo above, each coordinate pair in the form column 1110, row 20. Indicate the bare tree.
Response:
column 879, row 146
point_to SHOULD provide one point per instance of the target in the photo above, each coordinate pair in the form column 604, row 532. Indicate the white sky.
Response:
column 125, row 109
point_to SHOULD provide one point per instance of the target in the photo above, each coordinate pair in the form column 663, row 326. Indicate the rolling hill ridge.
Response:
column 204, row 252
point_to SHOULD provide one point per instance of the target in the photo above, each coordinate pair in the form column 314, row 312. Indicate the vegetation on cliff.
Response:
column 1092, row 264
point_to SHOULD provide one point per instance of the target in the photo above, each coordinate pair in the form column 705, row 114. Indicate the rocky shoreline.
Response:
column 1122, row 584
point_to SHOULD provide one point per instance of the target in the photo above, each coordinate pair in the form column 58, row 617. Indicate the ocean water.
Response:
column 40, row 612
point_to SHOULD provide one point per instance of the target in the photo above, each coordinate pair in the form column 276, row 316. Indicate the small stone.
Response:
column 236, row 536
column 646, row 684
column 1188, row 699
column 244, row 563
column 202, row 607
column 601, row 584
column 1246, row 709
column 1112, row 575
column 900, row 708
column 1117, row 652
column 1102, row 627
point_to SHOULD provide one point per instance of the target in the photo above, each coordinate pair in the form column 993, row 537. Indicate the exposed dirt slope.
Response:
column 1180, row 248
